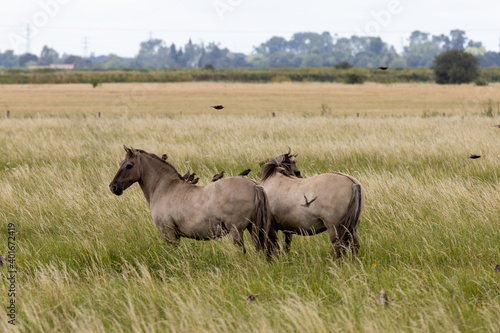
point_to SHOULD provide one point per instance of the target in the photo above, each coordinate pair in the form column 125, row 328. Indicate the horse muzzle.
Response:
column 116, row 189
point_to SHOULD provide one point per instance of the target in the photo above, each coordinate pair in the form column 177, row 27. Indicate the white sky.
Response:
column 112, row 26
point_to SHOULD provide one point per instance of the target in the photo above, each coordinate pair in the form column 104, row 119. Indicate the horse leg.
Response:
column 170, row 235
column 272, row 241
column 237, row 237
column 355, row 245
column 287, row 238
column 338, row 246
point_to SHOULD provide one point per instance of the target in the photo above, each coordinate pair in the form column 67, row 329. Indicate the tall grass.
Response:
column 89, row 261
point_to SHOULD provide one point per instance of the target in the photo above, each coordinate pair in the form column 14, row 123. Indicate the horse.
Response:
column 181, row 209
column 330, row 202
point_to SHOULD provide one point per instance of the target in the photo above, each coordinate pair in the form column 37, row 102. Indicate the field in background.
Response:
column 284, row 99
column 90, row 261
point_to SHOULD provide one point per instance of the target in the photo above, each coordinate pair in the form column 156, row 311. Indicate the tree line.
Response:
column 302, row 50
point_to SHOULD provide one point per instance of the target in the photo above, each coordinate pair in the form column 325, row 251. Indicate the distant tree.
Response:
column 421, row 54
column 78, row 61
column 273, row 45
column 8, row 59
column 312, row 60
column 458, row 39
column 376, row 45
column 153, row 54
column 418, row 37
column 191, row 52
column 115, row 62
column 343, row 50
column 25, row 58
column 490, row 59
column 443, row 41
column 48, row 56
column 455, row 67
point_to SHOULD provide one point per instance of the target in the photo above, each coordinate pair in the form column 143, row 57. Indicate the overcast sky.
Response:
column 112, row 26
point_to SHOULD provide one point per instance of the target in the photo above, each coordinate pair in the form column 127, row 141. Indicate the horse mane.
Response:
column 155, row 157
column 275, row 165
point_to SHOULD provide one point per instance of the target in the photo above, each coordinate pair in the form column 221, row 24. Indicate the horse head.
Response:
column 284, row 164
column 128, row 173
column 287, row 161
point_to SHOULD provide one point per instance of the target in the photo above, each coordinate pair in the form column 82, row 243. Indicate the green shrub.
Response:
column 343, row 65
column 355, row 78
column 455, row 67
column 95, row 81
column 481, row 82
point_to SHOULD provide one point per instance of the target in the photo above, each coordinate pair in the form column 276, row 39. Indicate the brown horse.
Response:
column 308, row 206
column 180, row 209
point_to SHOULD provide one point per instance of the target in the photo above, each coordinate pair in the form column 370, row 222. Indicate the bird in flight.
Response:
column 383, row 67
column 474, row 156
column 218, row 107
column 308, row 203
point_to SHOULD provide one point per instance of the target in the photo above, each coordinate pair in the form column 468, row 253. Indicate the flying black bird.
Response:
column 245, row 172
column 497, row 268
column 218, row 176
column 308, row 203
column 383, row 67
column 186, row 176
column 164, row 157
column 474, row 156
column 191, row 177
column 383, row 298
column 218, row 107
column 195, row 181
column 251, row 298
column 3, row 259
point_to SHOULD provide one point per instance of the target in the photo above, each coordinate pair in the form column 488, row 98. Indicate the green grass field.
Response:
column 89, row 261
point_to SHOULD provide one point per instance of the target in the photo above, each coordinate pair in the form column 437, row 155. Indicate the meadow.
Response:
column 89, row 261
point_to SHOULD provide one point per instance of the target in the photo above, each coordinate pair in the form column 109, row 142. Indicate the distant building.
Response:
column 54, row 66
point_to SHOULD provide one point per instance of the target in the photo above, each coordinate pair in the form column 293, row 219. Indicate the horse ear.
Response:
column 280, row 159
column 133, row 151
column 126, row 149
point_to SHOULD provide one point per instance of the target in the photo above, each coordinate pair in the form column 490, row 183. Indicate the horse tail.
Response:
column 260, row 218
column 351, row 219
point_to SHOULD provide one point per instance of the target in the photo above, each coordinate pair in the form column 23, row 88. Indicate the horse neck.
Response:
column 153, row 174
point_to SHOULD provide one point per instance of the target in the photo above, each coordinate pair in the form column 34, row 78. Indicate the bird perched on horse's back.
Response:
column 245, row 172
column 218, row 176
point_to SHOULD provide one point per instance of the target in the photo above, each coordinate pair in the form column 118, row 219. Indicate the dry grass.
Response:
column 285, row 99
column 89, row 261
